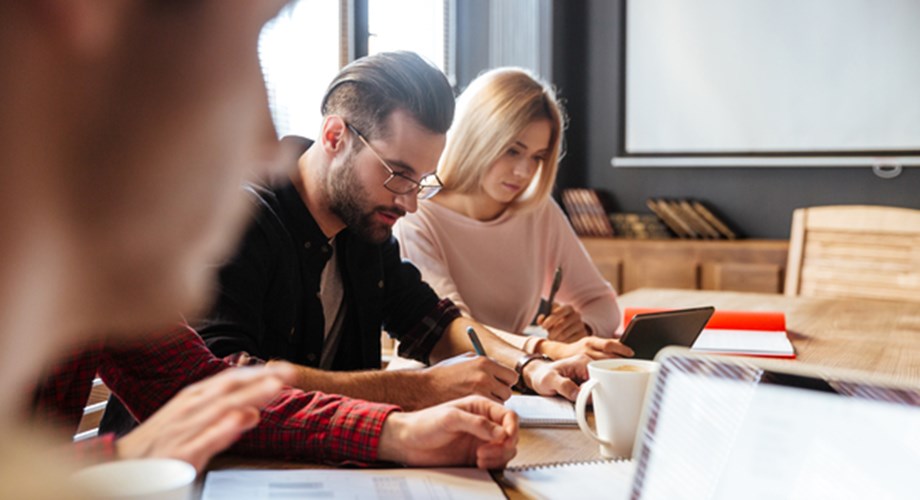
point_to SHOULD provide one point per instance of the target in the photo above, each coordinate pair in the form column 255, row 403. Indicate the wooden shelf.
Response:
column 738, row 265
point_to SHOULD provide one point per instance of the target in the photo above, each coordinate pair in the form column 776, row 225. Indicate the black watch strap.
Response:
column 522, row 362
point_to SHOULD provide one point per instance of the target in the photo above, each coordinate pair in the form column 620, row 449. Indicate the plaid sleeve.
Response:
column 98, row 449
column 145, row 374
column 317, row 427
column 421, row 339
column 296, row 425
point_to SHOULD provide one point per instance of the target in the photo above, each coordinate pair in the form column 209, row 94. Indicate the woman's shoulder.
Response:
column 545, row 211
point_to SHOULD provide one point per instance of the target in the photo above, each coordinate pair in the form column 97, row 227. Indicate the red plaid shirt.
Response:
column 145, row 375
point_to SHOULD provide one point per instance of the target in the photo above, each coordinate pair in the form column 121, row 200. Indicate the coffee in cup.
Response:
column 627, row 368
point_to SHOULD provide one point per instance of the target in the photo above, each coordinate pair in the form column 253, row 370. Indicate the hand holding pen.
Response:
column 547, row 307
column 562, row 323
column 474, row 339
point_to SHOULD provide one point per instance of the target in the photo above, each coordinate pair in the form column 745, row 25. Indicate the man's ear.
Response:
column 332, row 134
column 85, row 28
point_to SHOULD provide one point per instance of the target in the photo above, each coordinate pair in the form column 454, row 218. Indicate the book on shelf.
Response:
column 744, row 333
column 689, row 219
column 639, row 226
column 667, row 215
column 714, row 221
column 695, row 219
column 586, row 212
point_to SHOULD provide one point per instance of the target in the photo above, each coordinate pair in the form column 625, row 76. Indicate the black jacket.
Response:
column 268, row 301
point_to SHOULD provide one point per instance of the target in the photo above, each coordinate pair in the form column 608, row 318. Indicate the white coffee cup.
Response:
column 618, row 387
column 140, row 479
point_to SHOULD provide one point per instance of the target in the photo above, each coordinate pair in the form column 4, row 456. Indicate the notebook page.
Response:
column 609, row 480
column 539, row 411
column 447, row 483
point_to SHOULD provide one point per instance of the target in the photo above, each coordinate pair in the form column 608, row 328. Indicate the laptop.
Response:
column 727, row 427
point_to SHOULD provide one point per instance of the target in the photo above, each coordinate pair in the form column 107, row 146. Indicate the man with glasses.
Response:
column 319, row 273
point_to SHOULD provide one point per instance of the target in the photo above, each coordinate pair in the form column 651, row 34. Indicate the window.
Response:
column 421, row 26
column 301, row 52
column 302, row 49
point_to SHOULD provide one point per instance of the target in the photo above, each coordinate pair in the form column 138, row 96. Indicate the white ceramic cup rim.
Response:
column 155, row 475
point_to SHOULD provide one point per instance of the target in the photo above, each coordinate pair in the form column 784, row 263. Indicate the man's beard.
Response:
column 345, row 200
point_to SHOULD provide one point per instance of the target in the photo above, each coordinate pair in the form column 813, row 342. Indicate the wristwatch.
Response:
column 522, row 362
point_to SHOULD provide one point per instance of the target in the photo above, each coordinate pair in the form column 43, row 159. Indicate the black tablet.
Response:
column 648, row 333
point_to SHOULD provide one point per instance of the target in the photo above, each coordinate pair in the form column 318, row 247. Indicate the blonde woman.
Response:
column 493, row 237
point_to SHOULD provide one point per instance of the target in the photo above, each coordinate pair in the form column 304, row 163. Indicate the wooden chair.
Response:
column 92, row 413
column 855, row 251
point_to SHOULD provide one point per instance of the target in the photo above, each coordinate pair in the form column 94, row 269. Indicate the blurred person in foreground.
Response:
column 127, row 129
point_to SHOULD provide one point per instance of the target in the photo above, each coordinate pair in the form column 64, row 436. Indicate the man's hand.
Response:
column 468, row 374
column 560, row 377
column 563, row 324
column 206, row 417
column 593, row 347
column 468, row 431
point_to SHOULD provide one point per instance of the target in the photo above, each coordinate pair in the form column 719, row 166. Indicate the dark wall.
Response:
column 758, row 202
column 472, row 40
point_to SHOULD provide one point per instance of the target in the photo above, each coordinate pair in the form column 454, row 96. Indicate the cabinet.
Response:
column 740, row 265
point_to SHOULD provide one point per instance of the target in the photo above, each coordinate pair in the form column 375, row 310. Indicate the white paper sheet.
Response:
column 447, row 483
column 756, row 342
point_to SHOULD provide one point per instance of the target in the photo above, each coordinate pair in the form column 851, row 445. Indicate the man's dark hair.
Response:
column 368, row 90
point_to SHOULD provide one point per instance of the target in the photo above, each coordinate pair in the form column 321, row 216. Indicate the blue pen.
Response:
column 477, row 345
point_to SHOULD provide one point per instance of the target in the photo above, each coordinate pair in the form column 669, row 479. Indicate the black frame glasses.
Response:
column 398, row 183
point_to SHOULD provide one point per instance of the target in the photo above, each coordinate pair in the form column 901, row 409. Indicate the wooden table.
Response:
column 875, row 336
column 870, row 335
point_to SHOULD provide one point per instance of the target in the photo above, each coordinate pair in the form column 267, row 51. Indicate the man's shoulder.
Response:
column 267, row 205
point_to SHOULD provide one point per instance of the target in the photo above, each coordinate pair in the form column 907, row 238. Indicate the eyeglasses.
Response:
column 398, row 183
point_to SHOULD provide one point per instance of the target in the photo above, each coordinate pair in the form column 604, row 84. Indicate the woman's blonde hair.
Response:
column 493, row 110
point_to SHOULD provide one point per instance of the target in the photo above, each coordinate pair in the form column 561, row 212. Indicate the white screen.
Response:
column 772, row 76
column 721, row 438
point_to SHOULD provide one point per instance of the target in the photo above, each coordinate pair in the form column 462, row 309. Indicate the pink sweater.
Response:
column 496, row 271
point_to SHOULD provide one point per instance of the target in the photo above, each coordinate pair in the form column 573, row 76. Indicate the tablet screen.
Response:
column 648, row 333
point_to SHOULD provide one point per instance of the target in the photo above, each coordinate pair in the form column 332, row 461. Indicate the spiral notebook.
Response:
column 607, row 479
column 542, row 411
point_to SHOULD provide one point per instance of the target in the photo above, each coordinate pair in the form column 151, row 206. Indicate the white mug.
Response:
column 618, row 399
column 139, row 479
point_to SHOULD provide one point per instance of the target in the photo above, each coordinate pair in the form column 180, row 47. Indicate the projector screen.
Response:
column 806, row 78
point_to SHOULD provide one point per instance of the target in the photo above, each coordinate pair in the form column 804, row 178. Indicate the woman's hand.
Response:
column 593, row 347
column 563, row 324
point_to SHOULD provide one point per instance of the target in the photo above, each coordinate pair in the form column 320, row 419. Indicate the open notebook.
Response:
column 729, row 427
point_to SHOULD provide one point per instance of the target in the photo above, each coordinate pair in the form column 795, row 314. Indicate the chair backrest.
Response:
column 855, row 251
column 93, row 411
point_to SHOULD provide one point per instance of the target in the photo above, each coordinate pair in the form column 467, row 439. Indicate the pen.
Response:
column 557, row 280
column 477, row 345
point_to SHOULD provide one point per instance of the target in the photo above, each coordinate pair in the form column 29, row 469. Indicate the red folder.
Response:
column 750, row 333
